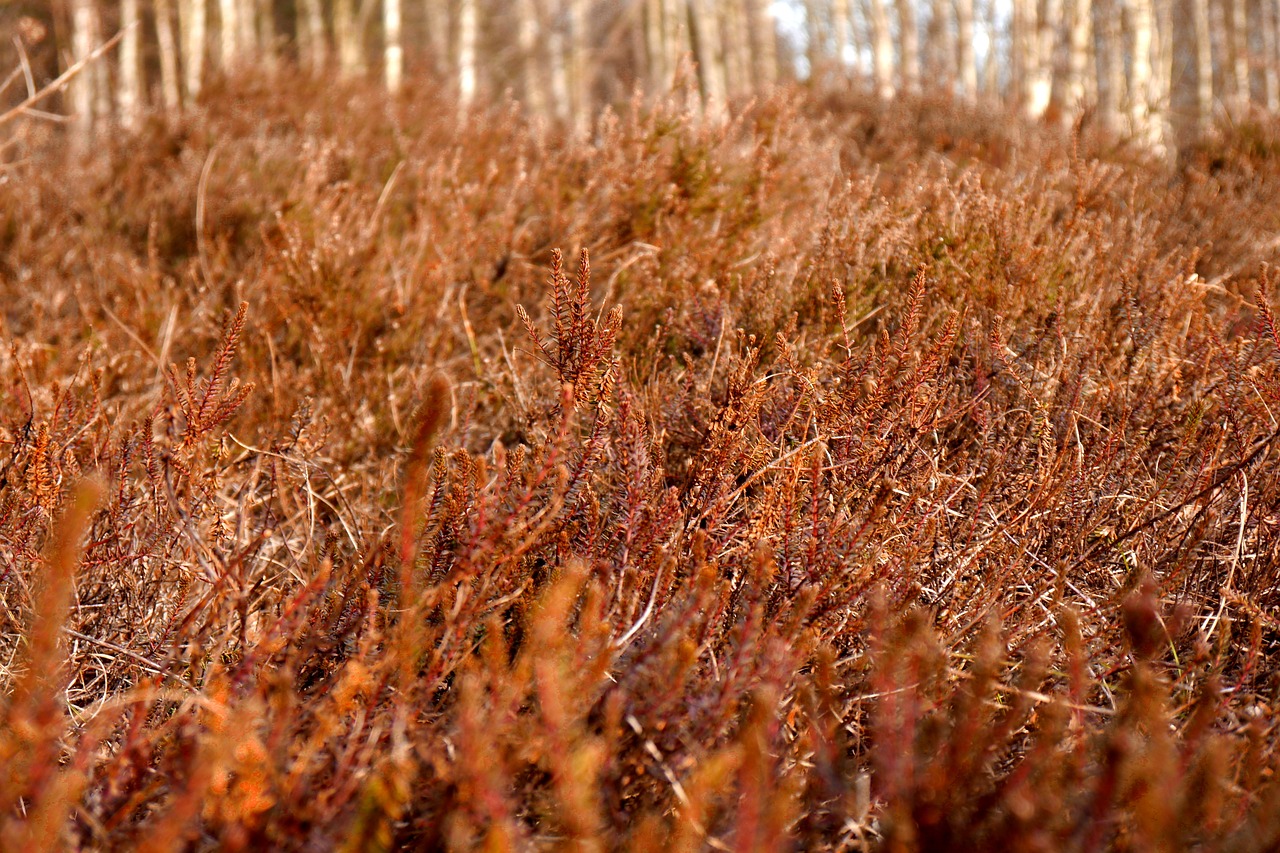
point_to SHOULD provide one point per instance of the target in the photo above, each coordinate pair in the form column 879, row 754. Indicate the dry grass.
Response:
column 887, row 479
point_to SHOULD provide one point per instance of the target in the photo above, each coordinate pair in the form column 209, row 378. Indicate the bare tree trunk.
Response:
column 737, row 50
column 708, row 51
column 393, row 52
column 1237, row 54
column 557, row 53
column 1162, row 64
column 814, row 52
column 1203, row 63
column 436, row 13
column 840, row 30
column 267, row 40
column 1022, row 38
column 170, row 86
column 1184, row 97
column 84, row 38
column 991, row 62
column 881, row 49
column 1268, row 22
column 658, row 67
column 229, row 22
column 968, row 64
column 194, row 21
column 1112, row 93
column 1144, row 118
column 940, row 48
column 530, row 25
column 1040, row 80
column 468, row 26
column 348, row 34
column 313, row 47
column 764, row 42
column 129, row 90
column 1071, row 94
column 580, row 69
column 908, row 45
column 247, row 17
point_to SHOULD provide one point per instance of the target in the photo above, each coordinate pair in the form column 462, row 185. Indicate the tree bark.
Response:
column 1040, row 78
column 1078, row 21
column 737, row 50
column 468, row 26
column 170, row 85
column 436, row 13
column 991, row 62
column 313, row 41
column 393, row 51
column 129, row 89
column 940, row 48
column 1237, row 54
column 229, row 32
column 530, row 25
column 580, row 67
column 709, row 54
column 908, row 45
column 840, row 31
column 1144, row 118
column 813, row 37
column 194, row 20
column 764, row 42
column 1112, row 93
column 348, row 34
column 881, row 49
column 85, row 28
column 1268, row 22
column 968, row 64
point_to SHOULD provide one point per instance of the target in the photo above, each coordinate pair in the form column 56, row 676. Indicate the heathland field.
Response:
column 837, row 476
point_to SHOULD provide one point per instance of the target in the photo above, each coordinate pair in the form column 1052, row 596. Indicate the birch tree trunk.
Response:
column 1078, row 20
column 1110, row 64
column 436, row 14
column 709, row 54
column 393, row 51
column 814, row 32
column 166, row 46
column 840, row 30
column 764, row 42
column 1040, row 81
column 881, row 49
column 1268, row 21
column 84, row 30
column 1022, row 41
column 940, row 48
column 313, row 41
column 349, row 37
column 1162, row 64
column 1143, row 118
column 908, row 45
column 530, row 25
column 1203, row 63
column 229, row 23
column 655, row 48
column 580, row 68
column 968, row 63
column 737, row 47
column 1237, row 54
column 129, row 90
column 246, row 15
column 468, row 26
column 266, row 39
column 1184, row 97
column 991, row 62
column 193, row 20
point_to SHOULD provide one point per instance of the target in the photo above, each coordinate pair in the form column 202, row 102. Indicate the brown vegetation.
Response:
column 886, row 478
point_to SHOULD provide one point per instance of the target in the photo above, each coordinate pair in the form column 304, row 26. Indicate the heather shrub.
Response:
column 837, row 477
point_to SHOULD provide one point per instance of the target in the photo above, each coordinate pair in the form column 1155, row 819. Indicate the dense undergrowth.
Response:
column 859, row 478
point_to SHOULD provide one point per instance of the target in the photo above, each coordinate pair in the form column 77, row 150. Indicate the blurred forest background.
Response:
column 1161, row 72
